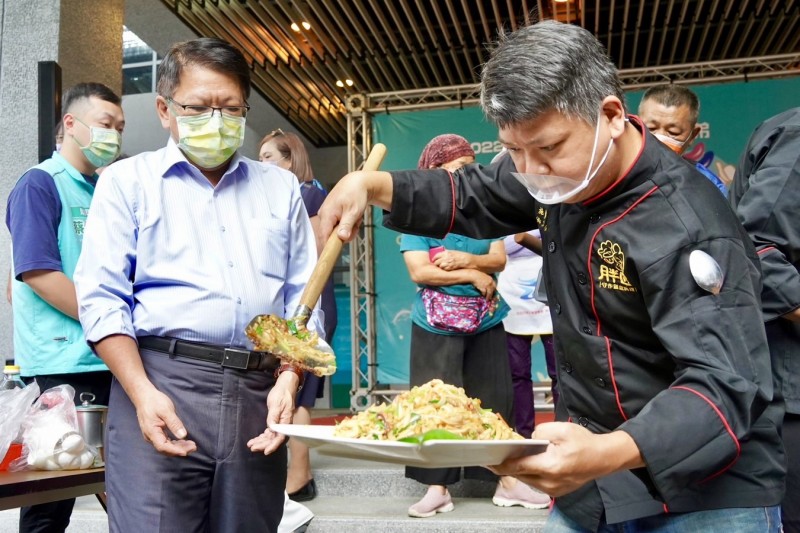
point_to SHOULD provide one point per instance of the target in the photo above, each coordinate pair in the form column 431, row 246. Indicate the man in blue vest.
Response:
column 46, row 215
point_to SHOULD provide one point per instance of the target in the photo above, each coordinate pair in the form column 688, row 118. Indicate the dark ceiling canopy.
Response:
column 397, row 45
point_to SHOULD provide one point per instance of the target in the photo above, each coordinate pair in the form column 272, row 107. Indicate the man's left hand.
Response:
column 280, row 408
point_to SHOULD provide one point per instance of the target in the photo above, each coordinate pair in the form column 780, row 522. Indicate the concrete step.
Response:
column 340, row 514
column 337, row 476
column 357, row 496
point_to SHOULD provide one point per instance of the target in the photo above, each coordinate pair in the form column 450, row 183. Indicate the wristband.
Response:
column 291, row 368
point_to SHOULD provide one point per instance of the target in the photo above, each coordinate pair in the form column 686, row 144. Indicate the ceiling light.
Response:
column 296, row 28
column 349, row 82
column 339, row 83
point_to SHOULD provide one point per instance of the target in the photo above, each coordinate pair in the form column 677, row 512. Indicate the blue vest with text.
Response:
column 46, row 341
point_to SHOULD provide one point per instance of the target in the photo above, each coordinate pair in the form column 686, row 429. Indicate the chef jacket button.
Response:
column 567, row 368
column 557, row 308
column 582, row 278
column 587, row 330
column 600, row 382
column 230, row 264
column 551, row 247
column 583, row 421
column 594, row 218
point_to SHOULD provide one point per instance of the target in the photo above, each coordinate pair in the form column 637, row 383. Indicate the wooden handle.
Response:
column 329, row 255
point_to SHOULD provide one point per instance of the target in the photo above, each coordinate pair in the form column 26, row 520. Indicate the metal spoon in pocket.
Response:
column 706, row 271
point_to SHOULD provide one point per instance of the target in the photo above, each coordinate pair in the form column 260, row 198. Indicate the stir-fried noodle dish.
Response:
column 432, row 406
column 298, row 346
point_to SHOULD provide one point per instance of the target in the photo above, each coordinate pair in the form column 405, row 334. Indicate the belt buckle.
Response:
column 236, row 358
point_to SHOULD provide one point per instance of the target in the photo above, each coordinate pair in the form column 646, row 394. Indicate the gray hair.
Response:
column 673, row 96
column 547, row 66
column 207, row 52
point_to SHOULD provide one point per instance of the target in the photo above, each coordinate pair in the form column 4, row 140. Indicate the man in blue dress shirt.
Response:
column 186, row 245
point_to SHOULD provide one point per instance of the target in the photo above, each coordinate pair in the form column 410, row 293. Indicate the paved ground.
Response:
column 87, row 517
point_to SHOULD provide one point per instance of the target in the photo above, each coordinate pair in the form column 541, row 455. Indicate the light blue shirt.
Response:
column 166, row 253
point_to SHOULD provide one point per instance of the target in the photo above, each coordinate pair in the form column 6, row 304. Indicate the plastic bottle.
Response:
column 11, row 378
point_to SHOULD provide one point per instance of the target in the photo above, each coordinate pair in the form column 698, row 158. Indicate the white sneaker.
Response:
column 296, row 516
column 520, row 494
column 432, row 503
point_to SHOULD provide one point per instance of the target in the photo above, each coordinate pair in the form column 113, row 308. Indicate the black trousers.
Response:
column 790, row 510
column 479, row 364
column 54, row 517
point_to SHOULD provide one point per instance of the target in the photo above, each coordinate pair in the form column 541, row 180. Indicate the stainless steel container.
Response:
column 92, row 424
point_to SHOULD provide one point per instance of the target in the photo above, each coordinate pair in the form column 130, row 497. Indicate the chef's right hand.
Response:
column 161, row 426
column 346, row 202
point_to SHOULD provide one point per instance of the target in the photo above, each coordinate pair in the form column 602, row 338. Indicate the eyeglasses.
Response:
column 196, row 110
column 276, row 133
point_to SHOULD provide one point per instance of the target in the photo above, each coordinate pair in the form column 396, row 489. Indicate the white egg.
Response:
column 73, row 443
column 86, row 459
column 65, row 459
column 51, row 464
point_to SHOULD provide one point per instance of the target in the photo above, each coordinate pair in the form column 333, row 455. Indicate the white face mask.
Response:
column 550, row 189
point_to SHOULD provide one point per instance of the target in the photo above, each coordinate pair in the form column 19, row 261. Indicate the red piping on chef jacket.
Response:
column 594, row 309
column 763, row 250
column 724, row 423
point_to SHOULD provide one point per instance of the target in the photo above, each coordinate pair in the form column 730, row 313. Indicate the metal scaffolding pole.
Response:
column 362, row 283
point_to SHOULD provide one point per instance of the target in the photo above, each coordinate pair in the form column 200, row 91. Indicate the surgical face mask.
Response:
column 550, row 189
column 276, row 162
column 103, row 147
column 210, row 139
column 673, row 144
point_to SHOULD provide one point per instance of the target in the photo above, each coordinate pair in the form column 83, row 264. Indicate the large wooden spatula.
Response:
column 290, row 339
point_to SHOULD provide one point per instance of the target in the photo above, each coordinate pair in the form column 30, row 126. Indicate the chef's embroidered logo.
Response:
column 541, row 218
column 612, row 273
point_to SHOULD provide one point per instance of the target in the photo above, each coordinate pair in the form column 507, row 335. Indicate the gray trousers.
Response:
column 223, row 486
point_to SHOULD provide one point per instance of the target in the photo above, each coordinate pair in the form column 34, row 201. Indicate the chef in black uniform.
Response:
column 667, row 419
column 766, row 195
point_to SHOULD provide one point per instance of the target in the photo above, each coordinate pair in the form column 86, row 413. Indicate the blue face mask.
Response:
column 103, row 147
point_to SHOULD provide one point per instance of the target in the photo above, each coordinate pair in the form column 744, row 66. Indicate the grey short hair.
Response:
column 674, row 96
column 547, row 66
column 207, row 52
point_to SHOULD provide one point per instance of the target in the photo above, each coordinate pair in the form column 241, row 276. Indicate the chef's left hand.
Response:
column 574, row 457
column 280, row 409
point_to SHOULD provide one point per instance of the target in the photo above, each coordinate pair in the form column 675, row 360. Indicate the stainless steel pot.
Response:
column 92, row 424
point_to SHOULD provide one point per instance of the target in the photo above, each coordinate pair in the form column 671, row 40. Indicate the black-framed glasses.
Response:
column 196, row 110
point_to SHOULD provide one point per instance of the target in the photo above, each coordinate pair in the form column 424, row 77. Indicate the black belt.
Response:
column 227, row 357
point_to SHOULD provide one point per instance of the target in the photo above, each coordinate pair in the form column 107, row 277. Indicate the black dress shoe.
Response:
column 306, row 493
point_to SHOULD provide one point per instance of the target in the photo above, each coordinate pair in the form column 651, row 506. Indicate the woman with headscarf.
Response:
column 457, row 333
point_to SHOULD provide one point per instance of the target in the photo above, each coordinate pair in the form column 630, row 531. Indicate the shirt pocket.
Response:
column 268, row 242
